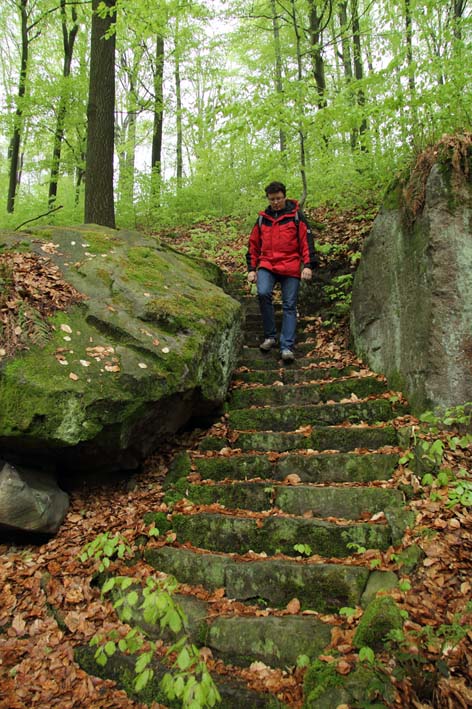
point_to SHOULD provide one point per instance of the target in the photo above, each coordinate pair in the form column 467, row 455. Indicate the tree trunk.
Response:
column 14, row 147
column 178, row 118
column 99, row 203
column 125, row 130
column 358, row 69
column 458, row 7
column 317, row 25
column 301, row 131
column 68, row 39
column 409, row 59
column 156, row 155
column 278, row 70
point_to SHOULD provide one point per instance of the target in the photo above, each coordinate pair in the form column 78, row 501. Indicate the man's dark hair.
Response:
column 275, row 187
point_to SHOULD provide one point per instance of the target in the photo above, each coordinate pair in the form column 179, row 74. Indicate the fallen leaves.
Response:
column 34, row 286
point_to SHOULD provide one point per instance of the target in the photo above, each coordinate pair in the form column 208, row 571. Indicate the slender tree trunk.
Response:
column 156, row 154
column 99, row 203
column 317, row 24
column 68, row 40
column 301, row 130
column 178, row 118
column 346, row 59
column 125, row 132
column 358, row 69
column 458, row 7
column 14, row 147
column 278, row 70
column 409, row 59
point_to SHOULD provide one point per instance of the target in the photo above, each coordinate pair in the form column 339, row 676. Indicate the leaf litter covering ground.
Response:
column 49, row 604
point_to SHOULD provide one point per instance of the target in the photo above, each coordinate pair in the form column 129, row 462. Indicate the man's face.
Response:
column 277, row 200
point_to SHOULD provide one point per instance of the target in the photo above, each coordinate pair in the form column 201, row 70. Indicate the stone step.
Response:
column 251, row 354
column 290, row 418
column 344, row 502
column 314, row 468
column 317, row 438
column 275, row 640
column 255, row 359
column 273, row 535
column 120, row 668
column 252, row 338
column 305, row 323
column 289, row 375
column 273, row 582
column 361, row 387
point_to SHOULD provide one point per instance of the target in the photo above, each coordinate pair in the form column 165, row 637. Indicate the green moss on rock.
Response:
column 151, row 342
column 380, row 617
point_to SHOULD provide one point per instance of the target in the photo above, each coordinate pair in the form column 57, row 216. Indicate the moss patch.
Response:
column 380, row 617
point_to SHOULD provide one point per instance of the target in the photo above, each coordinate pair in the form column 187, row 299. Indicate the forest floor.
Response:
column 49, row 604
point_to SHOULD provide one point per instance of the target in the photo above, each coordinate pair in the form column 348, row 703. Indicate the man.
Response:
column 280, row 251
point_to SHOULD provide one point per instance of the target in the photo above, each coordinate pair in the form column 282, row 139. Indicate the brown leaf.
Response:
column 343, row 667
column 293, row 606
column 292, row 479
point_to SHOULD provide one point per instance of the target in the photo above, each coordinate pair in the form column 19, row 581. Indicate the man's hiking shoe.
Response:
column 268, row 343
column 287, row 355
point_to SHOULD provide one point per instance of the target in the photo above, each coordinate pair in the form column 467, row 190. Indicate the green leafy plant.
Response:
column 188, row 679
column 104, row 548
column 303, row 549
column 460, row 493
column 347, row 611
column 357, row 548
column 366, row 654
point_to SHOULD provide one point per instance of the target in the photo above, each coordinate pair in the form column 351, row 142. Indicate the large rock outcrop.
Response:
column 150, row 342
column 412, row 296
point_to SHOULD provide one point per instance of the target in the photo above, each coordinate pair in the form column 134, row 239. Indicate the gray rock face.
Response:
column 152, row 343
column 412, row 297
column 30, row 500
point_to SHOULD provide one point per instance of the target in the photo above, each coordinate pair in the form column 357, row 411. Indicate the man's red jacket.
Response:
column 281, row 242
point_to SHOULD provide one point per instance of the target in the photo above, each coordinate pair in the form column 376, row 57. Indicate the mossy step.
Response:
column 361, row 387
column 290, row 418
column 288, row 375
column 272, row 535
column 315, row 468
column 253, row 322
column 120, row 668
column 253, row 337
column 346, row 502
column 255, row 359
column 276, row 641
column 272, row 582
column 339, row 438
column 251, row 353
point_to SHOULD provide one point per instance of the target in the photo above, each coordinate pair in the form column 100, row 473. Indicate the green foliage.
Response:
column 347, row 611
column 304, row 549
column 104, row 548
column 189, row 679
column 366, row 654
column 357, row 548
column 339, row 291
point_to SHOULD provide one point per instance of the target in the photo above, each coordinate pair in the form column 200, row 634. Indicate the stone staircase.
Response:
column 275, row 511
column 303, row 462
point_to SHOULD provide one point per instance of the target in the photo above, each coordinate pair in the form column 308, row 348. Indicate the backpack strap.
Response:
column 296, row 220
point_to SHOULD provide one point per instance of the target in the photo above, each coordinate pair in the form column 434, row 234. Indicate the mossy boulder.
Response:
column 151, row 343
column 412, row 293
column 380, row 617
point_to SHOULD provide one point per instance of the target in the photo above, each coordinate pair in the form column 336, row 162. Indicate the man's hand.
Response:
column 252, row 277
column 307, row 273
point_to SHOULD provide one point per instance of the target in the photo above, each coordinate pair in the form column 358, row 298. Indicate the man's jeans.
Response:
column 266, row 281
